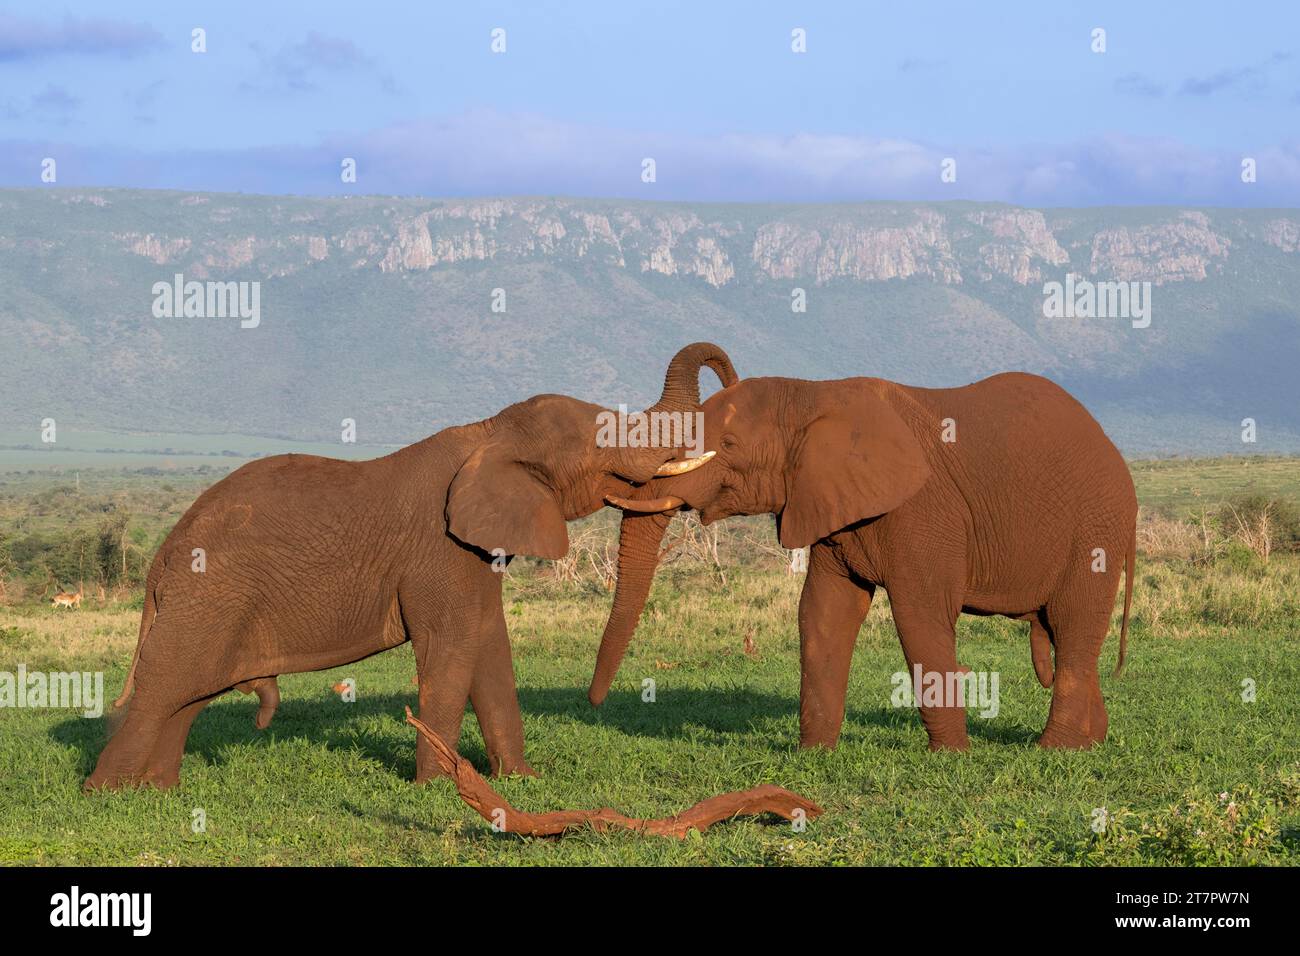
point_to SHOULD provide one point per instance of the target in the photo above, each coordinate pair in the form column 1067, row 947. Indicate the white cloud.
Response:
column 492, row 153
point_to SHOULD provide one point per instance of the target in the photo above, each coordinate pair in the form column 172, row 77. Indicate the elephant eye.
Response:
column 728, row 443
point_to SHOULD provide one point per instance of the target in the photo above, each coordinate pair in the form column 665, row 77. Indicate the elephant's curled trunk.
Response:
column 640, row 535
column 682, row 381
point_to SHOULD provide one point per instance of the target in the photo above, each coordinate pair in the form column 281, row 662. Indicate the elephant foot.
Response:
column 129, row 758
column 100, row 781
column 103, row 781
column 827, row 740
column 424, row 775
column 1066, row 734
column 1054, row 739
column 161, row 778
column 820, row 722
column 946, row 727
column 1078, row 716
column 518, row 768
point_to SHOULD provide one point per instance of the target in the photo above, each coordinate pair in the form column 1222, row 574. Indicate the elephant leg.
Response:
column 1078, row 715
column 164, row 767
column 495, row 700
column 927, row 631
column 832, row 608
column 447, row 643
column 444, row 691
column 1078, row 617
column 125, row 758
column 147, row 748
column 166, row 682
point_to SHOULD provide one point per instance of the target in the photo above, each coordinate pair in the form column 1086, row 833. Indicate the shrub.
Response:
column 1261, row 523
column 1232, row 828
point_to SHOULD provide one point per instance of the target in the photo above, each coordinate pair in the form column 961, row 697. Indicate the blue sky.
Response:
column 710, row 90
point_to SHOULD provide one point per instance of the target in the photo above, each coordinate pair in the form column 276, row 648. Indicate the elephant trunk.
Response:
column 682, row 382
column 638, row 555
column 640, row 535
column 681, row 394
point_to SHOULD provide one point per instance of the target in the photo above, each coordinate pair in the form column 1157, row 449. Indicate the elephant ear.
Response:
column 495, row 501
column 858, row 459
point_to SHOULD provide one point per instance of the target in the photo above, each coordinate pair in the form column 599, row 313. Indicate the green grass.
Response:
column 1183, row 486
column 328, row 783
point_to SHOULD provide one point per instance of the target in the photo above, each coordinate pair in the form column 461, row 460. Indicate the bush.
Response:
column 1243, row 826
column 1240, row 559
column 1261, row 523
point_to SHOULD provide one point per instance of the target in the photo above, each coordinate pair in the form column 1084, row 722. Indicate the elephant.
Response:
column 299, row 563
column 1002, row 497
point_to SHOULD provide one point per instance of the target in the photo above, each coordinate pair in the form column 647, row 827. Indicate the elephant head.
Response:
column 550, row 459
column 821, row 456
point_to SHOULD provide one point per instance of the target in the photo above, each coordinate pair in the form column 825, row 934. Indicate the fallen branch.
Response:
column 494, row 808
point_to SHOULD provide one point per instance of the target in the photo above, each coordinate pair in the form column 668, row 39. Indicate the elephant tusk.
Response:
column 653, row 506
column 683, row 465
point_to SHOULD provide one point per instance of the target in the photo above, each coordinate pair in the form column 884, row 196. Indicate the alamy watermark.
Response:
column 1084, row 299
column 624, row 429
column 74, row 690
column 923, row 688
column 74, row 908
column 208, row 300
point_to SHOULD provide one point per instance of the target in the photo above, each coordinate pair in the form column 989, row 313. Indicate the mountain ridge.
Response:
column 380, row 309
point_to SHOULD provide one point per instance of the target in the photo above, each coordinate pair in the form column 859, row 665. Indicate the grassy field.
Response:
column 1191, row 772
column 22, row 450
column 1182, row 485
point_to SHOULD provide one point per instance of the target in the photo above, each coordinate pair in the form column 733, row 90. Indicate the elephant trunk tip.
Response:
column 607, row 662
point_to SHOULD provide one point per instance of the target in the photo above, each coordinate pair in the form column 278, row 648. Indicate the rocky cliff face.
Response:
column 865, row 243
column 844, row 249
column 1169, row 252
column 1283, row 233
column 381, row 308
column 1021, row 244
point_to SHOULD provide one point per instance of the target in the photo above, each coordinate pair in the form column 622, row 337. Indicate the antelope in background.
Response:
column 67, row 599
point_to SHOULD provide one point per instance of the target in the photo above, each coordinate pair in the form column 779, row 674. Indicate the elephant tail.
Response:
column 146, row 622
column 1129, row 561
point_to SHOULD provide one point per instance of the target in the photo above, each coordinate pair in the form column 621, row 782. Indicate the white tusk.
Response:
column 684, row 465
column 653, row 506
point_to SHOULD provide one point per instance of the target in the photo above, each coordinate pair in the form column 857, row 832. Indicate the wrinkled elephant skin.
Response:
column 300, row 563
column 1000, row 497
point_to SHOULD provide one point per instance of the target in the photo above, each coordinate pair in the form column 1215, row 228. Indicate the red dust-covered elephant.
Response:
column 1001, row 497
column 299, row 563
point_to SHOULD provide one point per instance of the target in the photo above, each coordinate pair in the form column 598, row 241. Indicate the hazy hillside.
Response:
column 380, row 309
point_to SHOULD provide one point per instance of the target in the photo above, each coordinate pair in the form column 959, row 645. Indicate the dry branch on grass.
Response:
column 494, row 808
